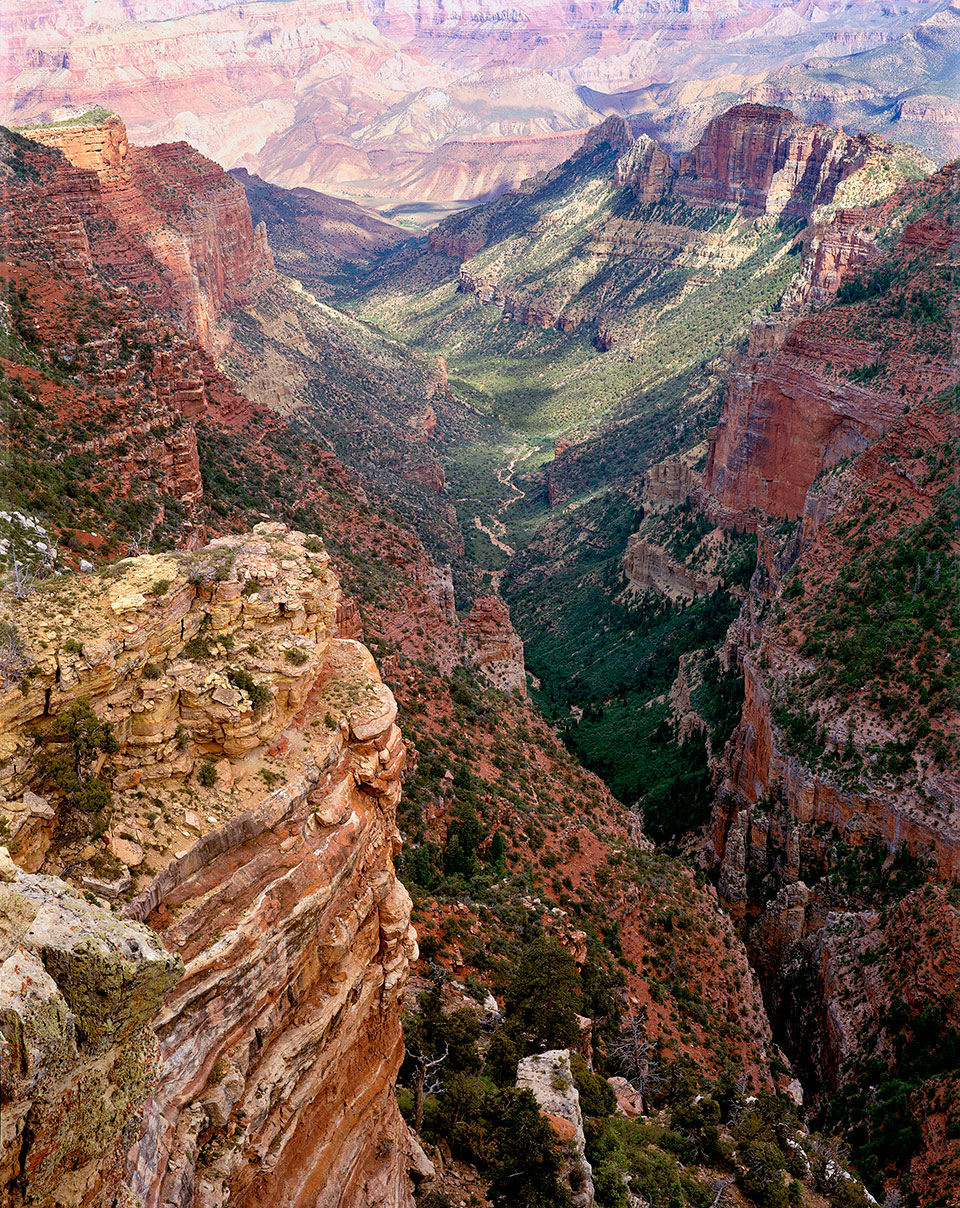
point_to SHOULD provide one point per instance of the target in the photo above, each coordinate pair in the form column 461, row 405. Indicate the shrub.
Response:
column 81, row 738
column 258, row 693
column 207, row 774
column 72, row 646
column 160, row 587
column 151, row 671
column 544, row 997
column 198, row 648
column 295, row 655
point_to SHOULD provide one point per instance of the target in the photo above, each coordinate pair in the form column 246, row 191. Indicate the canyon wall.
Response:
column 250, row 823
column 840, row 786
column 823, row 387
column 161, row 219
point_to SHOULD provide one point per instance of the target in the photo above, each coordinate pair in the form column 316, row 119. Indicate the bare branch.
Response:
column 21, row 581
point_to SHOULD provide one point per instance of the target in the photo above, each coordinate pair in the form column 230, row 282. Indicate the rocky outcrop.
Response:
column 79, row 992
column 458, row 245
column 257, row 768
column 161, row 218
column 613, row 131
column 99, row 145
column 763, row 160
column 649, row 567
column 427, row 474
column 550, row 1078
column 668, row 484
column 837, row 250
column 493, row 645
column 530, row 311
column 645, row 168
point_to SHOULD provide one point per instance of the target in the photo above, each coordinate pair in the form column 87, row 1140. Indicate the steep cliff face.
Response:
column 162, row 218
column 839, row 378
column 646, row 168
column 763, row 160
column 493, row 645
column 246, row 734
column 841, row 790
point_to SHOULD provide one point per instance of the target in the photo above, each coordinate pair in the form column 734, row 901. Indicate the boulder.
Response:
column 550, row 1078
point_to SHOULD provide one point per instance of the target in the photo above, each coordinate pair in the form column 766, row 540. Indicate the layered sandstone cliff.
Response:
column 162, row 219
column 493, row 645
column 649, row 567
column 763, row 160
column 250, row 823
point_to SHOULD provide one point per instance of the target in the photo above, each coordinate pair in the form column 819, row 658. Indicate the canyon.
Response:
column 798, row 530
column 391, row 102
column 202, row 765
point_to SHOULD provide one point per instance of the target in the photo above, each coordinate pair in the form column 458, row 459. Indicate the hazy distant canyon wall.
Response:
column 405, row 112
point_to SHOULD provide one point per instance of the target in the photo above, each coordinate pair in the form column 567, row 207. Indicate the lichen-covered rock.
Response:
column 550, row 1078
column 78, row 994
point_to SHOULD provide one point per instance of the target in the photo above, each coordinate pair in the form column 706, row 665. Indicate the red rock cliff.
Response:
column 838, row 380
column 764, row 160
column 165, row 220
column 273, row 1057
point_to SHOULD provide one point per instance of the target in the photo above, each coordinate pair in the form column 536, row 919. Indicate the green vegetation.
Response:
column 626, row 653
column 258, row 693
column 72, row 744
column 92, row 117
column 457, row 1087
column 207, row 774
column 879, row 1106
column 885, row 627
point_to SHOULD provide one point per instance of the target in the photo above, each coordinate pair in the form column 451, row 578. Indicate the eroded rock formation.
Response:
column 763, row 160
column 493, row 645
column 80, row 990
column 550, row 1078
column 254, row 779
